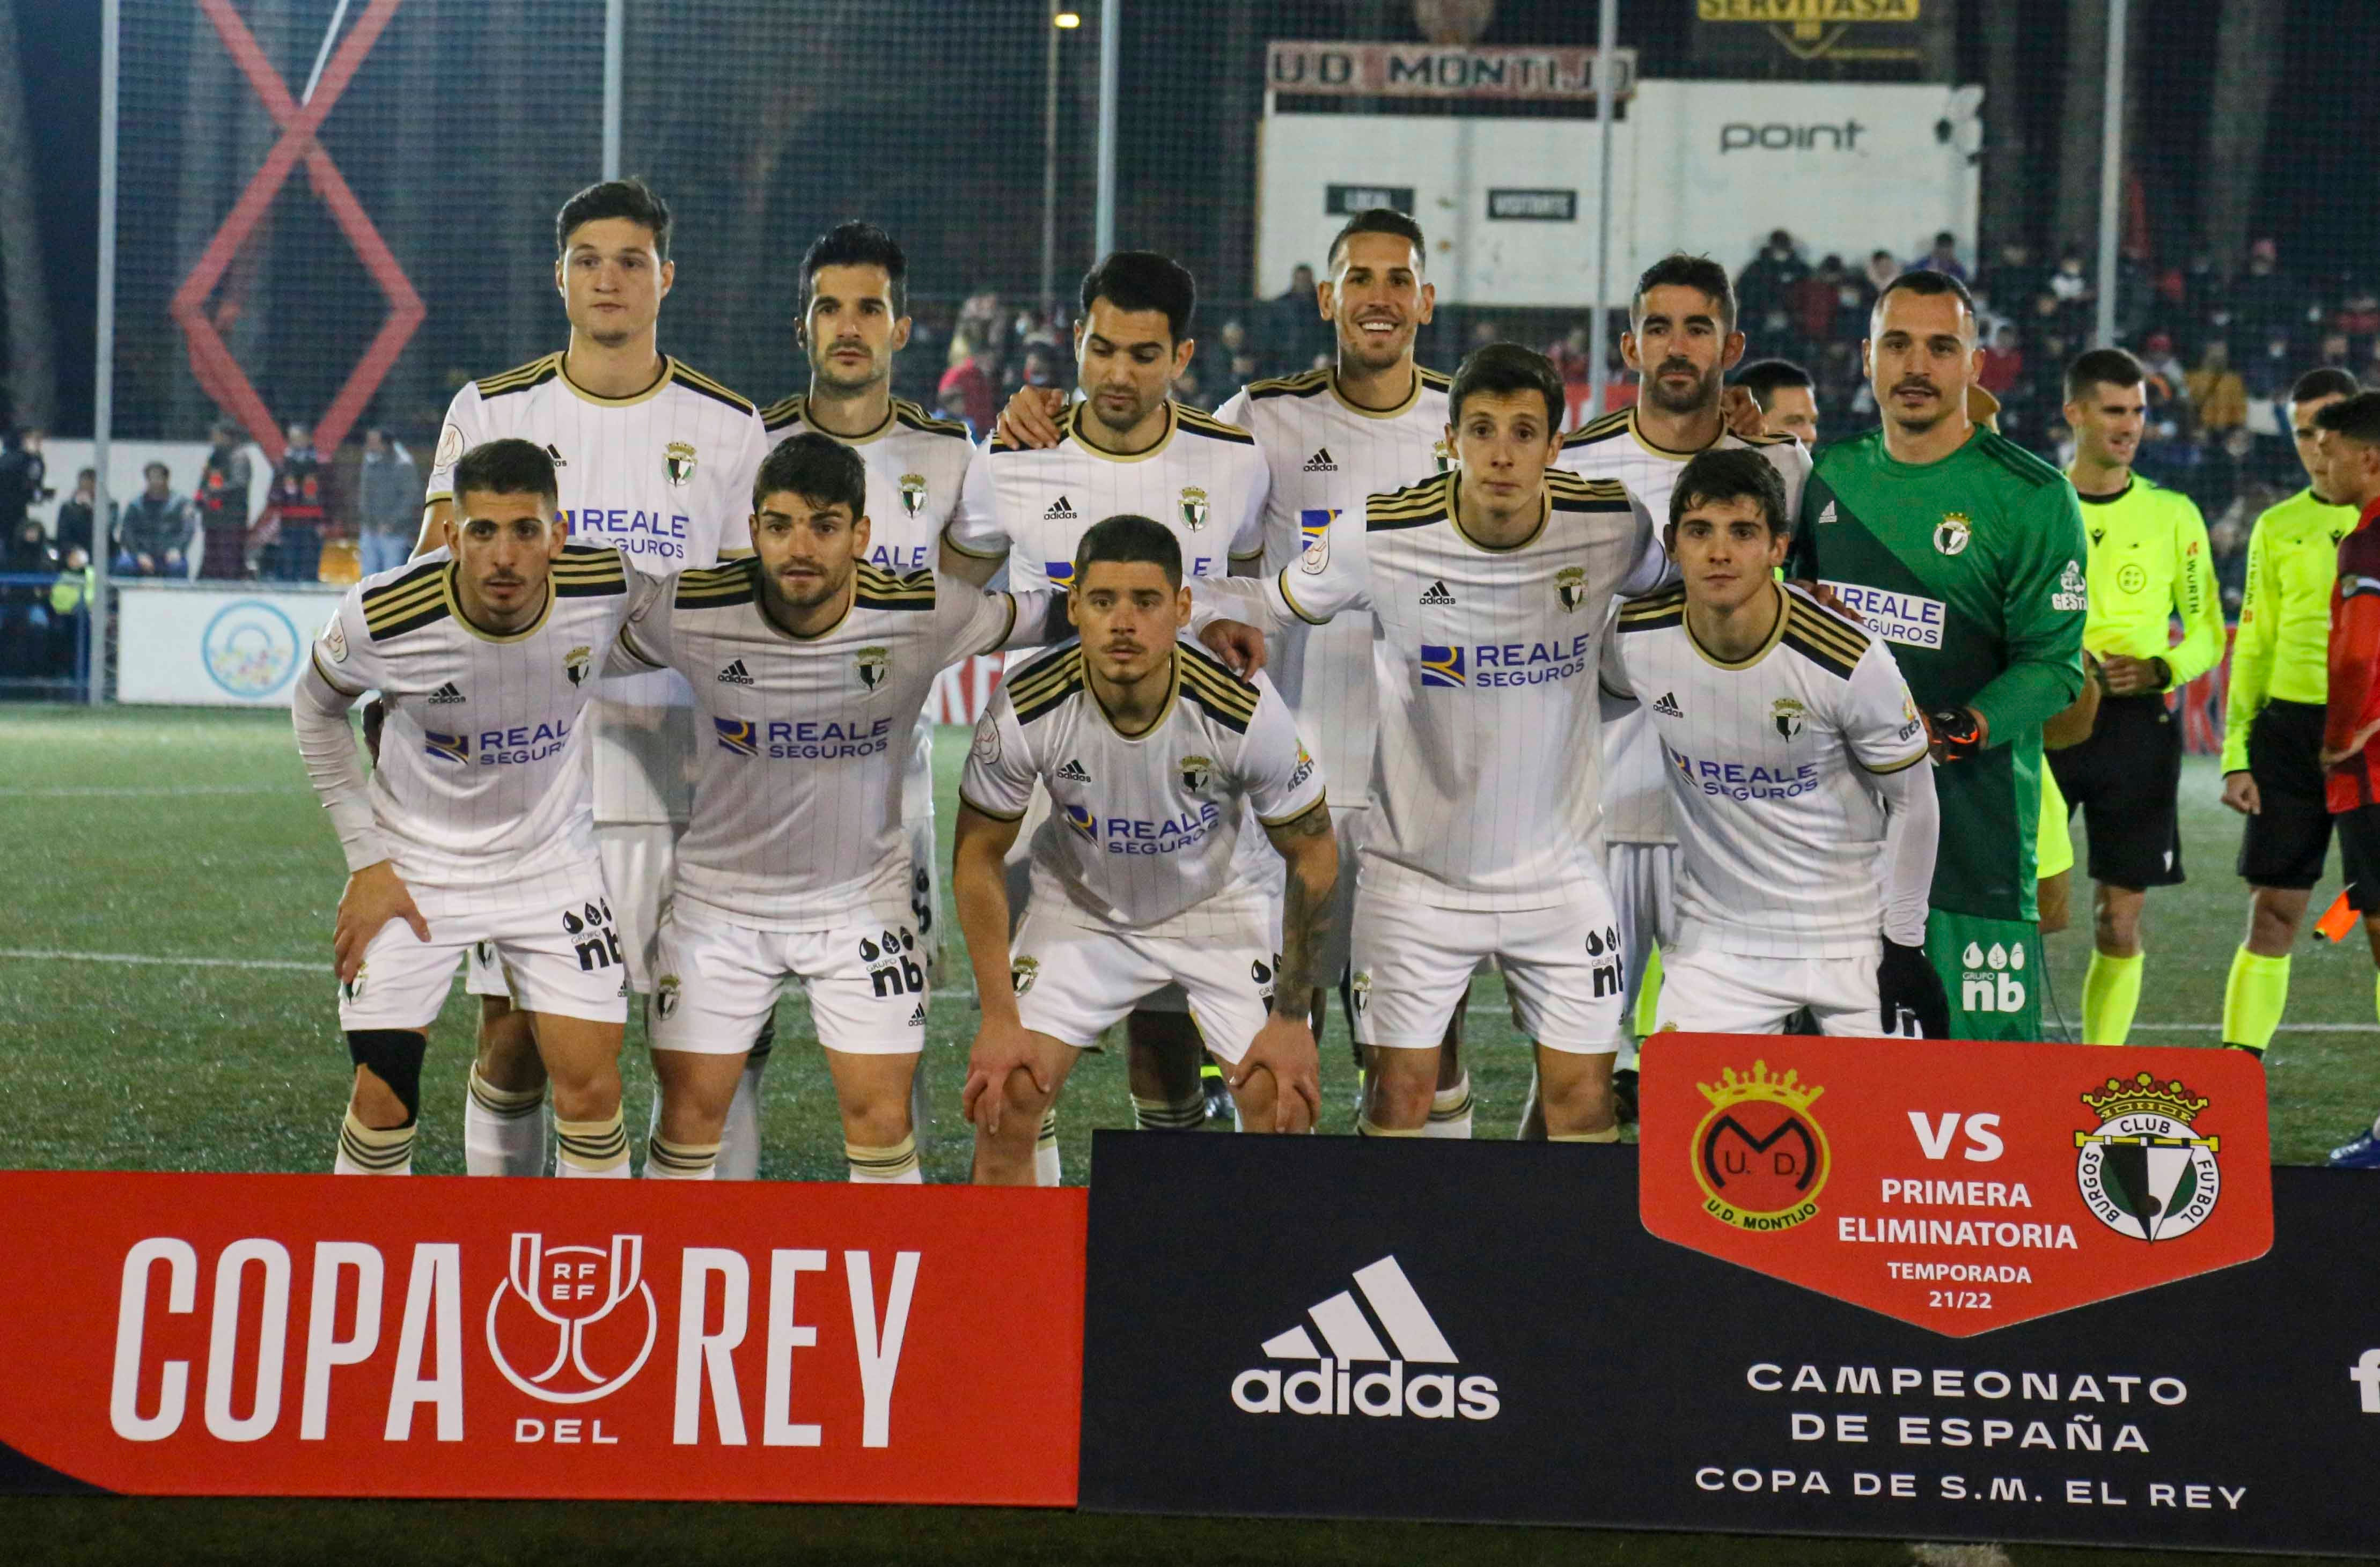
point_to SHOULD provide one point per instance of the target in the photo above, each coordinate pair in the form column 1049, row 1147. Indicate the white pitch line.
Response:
column 38, row 955
column 137, row 793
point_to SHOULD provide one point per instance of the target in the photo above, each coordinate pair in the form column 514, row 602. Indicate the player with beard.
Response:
column 854, row 319
column 1374, row 423
column 655, row 460
column 1964, row 552
column 1128, row 448
column 1682, row 340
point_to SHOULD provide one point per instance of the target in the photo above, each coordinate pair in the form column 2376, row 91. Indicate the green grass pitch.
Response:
column 163, row 975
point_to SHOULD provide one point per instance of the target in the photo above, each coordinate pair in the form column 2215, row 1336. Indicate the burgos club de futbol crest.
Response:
column 1963, row 1188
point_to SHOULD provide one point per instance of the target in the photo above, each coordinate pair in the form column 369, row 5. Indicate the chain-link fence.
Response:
column 331, row 213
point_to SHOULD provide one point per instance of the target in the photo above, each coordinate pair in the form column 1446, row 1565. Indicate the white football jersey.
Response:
column 1635, row 799
column 1763, row 762
column 482, row 779
column 1143, row 830
column 1205, row 480
column 1326, row 455
column 664, row 477
column 798, row 799
column 1485, row 781
column 917, row 476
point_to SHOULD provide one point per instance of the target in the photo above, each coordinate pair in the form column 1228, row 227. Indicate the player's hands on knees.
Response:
column 1237, row 643
column 374, row 896
column 1031, row 417
column 1001, row 1050
column 1284, row 1047
column 2240, row 793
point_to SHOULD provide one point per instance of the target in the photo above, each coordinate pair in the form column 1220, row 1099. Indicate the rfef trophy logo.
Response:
column 572, row 1291
column 1961, row 1188
column 1760, row 1155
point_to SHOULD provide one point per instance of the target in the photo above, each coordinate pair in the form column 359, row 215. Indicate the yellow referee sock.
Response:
column 2111, row 993
column 2253, row 999
column 1649, row 994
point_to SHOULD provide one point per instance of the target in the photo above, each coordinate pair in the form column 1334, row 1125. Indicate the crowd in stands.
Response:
column 2221, row 346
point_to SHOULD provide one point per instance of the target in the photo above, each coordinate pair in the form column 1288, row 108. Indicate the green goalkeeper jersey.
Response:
column 1971, row 568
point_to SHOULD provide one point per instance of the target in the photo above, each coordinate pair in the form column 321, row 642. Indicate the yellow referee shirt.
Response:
column 2281, row 652
column 2150, row 563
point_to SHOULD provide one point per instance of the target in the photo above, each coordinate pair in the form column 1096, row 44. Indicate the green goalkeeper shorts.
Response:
column 1992, row 970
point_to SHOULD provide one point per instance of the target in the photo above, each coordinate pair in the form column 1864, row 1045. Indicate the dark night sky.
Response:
column 2319, row 194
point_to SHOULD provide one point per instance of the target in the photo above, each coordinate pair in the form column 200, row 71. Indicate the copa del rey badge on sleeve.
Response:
column 1961, row 1186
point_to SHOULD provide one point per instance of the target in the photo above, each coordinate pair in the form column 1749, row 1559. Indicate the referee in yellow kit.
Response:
column 2271, row 722
column 2149, row 563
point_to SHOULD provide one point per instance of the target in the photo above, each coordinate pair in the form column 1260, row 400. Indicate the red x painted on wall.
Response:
column 210, row 358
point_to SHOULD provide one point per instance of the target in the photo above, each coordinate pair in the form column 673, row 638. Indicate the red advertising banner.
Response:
column 1960, row 1187
column 310, row 1336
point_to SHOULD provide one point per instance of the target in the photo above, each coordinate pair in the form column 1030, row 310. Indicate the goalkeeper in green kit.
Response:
column 1965, row 553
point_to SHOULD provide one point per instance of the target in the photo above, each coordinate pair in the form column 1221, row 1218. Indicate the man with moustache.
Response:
column 1965, row 553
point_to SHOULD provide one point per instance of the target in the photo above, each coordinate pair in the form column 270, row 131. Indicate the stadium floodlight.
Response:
column 1068, row 20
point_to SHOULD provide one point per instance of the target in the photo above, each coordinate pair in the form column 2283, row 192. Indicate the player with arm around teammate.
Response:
column 1799, row 770
column 477, row 826
column 809, row 668
column 1146, row 747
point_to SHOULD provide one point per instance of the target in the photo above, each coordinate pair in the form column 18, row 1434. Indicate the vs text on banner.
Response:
column 290, row 1335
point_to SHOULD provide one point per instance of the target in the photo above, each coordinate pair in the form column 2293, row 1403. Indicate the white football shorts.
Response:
column 716, row 983
column 562, row 954
column 1645, row 897
column 1562, row 969
column 1709, row 992
column 1073, row 982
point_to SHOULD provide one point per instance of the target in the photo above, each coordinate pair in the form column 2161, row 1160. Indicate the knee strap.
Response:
column 395, row 1057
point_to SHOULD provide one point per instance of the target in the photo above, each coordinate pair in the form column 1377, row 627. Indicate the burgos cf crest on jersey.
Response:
column 677, row 463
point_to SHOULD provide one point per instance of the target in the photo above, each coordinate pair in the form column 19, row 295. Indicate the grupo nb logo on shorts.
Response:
column 571, row 1324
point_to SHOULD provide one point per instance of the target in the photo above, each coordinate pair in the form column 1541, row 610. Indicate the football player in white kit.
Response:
column 655, row 460
column 1374, row 421
column 1682, row 340
column 1488, row 591
column 1127, row 448
column 796, row 867
column 855, row 292
column 1148, row 749
column 476, row 826
column 1799, row 767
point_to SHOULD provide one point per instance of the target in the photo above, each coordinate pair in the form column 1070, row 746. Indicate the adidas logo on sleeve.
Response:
column 1351, row 1338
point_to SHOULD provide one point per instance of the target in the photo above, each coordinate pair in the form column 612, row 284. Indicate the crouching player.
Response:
column 477, row 826
column 1799, row 770
column 1147, row 746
